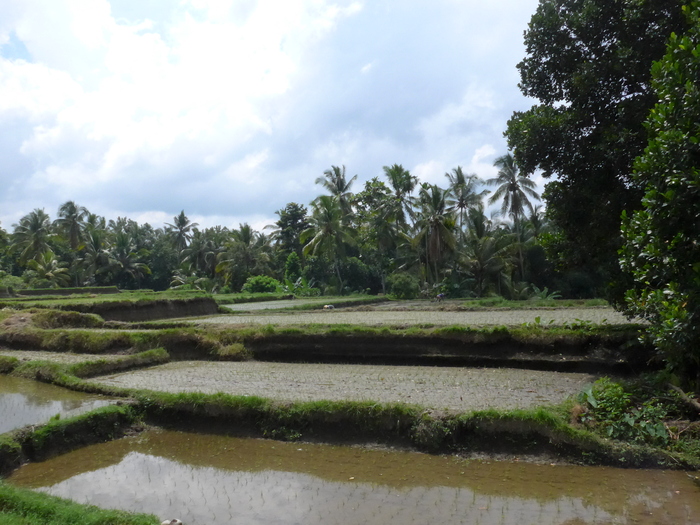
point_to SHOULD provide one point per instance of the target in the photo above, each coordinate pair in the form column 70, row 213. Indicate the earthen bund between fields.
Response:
column 591, row 355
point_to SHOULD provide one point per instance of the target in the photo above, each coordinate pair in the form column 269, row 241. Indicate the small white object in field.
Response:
column 328, row 307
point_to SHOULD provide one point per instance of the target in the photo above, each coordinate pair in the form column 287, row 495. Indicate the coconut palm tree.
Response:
column 486, row 250
column 436, row 227
column 48, row 268
column 200, row 256
column 513, row 190
column 338, row 186
column 95, row 222
column 31, row 235
column 402, row 184
column 125, row 263
column 70, row 222
column 463, row 194
column 246, row 254
column 96, row 258
column 181, row 231
column 327, row 234
column 538, row 221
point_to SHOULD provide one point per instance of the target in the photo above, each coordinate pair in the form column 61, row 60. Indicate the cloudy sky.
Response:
column 230, row 109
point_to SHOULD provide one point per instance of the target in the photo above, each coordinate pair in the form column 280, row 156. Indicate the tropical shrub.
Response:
column 403, row 286
column 260, row 284
column 661, row 248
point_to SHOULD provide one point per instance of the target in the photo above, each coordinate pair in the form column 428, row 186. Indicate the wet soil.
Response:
column 454, row 389
column 378, row 315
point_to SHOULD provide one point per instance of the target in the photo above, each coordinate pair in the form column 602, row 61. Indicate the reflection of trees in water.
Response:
column 40, row 394
column 210, row 495
column 18, row 410
column 26, row 402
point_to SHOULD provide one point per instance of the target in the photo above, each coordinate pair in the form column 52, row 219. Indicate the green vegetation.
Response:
column 607, row 119
column 63, row 319
column 643, row 412
column 62, row 435
column 403, row 286
column 26, row 507
column 347, row 243
column 661, row 240
column 7, row 364
column 147, row 358
column 588, row 65
column 489, row 303
column 261, row 284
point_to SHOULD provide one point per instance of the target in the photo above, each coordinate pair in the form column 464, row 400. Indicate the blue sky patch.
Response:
column 15, row 49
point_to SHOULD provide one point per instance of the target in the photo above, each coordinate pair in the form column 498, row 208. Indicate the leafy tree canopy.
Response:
column 661, row 240
column 588, row 63
column 292, row 221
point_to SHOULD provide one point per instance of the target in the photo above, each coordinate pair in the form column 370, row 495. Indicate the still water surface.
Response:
column 26, row 402
column 216, row 480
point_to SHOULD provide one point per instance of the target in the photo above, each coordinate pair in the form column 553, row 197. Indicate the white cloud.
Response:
column 432, row 172
column 232, row 108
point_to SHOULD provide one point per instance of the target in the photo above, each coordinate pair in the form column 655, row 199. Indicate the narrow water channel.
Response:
column 26, row 402
column 216, row 480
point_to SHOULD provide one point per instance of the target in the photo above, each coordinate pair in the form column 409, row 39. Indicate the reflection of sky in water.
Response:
column 210, row 496
column 25, row 402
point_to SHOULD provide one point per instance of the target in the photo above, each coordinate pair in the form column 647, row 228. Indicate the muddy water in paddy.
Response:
column 26, row 402
column 211, row 480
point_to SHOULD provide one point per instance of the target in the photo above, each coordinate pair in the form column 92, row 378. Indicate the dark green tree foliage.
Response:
column 335, row 181
column 181, row 231
column 402, row 184
column 32, row 235
column 70, row 222
column 588, row 64
column 327, row 235
column 260, row 284
column 661, row 241
column 162, row 263
column 377, row 230
column 292, row 221
column 292, row 267
column 404, row 286
column 436, row 228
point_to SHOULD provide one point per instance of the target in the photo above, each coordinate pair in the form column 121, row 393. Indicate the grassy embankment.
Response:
column 26, row 507
column 65, row 331
column 80, row 300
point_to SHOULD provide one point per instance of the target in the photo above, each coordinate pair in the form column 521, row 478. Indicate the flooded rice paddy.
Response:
column 26, row 402
column 216, row 480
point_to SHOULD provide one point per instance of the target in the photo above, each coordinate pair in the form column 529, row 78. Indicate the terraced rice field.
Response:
column 374, row 316
column 459, row 389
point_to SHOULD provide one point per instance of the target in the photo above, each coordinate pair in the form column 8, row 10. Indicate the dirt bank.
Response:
column 148, row 310
column 617, row 352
